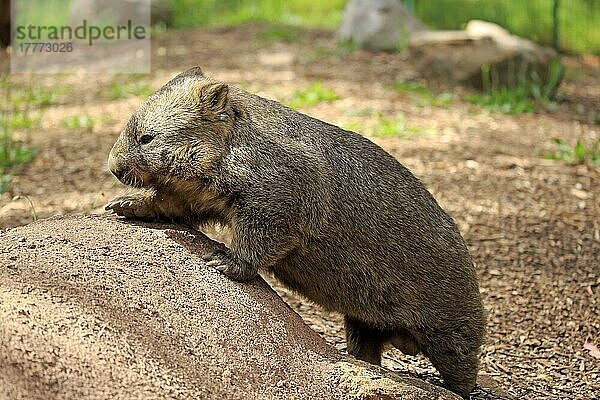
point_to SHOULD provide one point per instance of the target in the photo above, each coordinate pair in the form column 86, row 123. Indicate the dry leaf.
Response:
column 580, row 194
column 594, row 352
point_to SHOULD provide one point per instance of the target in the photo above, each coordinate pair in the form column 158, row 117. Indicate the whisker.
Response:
column 126, row 176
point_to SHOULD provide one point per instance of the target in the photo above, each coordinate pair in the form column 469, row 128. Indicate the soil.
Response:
column 532, row 225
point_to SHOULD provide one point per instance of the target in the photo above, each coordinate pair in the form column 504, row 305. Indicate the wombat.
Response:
column 326, row 211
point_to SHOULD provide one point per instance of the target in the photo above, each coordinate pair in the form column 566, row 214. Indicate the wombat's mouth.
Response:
column 135, row 178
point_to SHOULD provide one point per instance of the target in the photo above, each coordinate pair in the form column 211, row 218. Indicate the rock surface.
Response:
column 95, row 308
column 378, row 24
column 459, row 56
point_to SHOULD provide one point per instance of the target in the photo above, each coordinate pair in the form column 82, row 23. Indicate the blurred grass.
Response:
column 423, row 96
column 320, row 13
column 575, row 154
column 579, row 30
column 12, row 152
column 311, row 96
column 280, row 33
column 396, row 127
column 42, row 12
column 85, row 121
column 121, row 90
column 530, row 93
column 21, row 110
column 504, row 100
column 579, row 19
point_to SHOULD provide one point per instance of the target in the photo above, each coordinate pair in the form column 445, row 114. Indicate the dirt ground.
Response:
column 532, row 225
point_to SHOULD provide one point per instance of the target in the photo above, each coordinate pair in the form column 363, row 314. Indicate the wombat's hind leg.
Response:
column 365, row 342
column 457, row 363
column 404, row 341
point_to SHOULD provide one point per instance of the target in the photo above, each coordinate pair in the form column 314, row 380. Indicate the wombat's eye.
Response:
column 145, row 139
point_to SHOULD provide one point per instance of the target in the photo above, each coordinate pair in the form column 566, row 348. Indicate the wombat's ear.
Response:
column 194, row 71
column 214, row 96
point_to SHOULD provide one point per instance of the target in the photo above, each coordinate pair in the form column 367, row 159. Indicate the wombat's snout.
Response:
column 116, row 166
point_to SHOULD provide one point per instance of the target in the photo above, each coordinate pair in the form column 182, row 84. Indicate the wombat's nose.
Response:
column 115, row 166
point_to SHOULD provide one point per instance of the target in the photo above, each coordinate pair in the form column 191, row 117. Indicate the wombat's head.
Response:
column 178, row 134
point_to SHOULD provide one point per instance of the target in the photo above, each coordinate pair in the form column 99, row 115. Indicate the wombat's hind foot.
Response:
column 365, row 342
column 223, row 262
column 458, row 365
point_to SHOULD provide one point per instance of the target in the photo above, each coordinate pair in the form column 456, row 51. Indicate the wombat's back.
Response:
column 387, row 244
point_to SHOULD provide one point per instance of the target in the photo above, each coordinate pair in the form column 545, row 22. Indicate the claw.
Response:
column 222, row 262
column 219, row 255
column 134, row 207
column 221, row 268
column 214, row 263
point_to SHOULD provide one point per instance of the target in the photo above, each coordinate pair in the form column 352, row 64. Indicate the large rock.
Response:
column 459, row 56
column 378, row 24
column 98, row 308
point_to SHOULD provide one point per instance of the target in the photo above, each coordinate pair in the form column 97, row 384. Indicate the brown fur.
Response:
column 328, row 212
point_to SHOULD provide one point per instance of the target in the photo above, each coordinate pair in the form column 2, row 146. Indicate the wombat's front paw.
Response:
column 236, row 270
column 132, row 207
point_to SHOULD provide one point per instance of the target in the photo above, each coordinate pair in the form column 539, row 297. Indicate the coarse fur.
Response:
column 326, row 211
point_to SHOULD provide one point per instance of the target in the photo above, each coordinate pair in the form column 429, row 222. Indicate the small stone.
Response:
column 471, row 164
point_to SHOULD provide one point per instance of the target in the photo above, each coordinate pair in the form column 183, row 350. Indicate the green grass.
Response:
column 22, row 111
column 280, row 33
column 12, row 154
column 575, row 154
column 579, row 26
column 311, row 96
column 39, row 96
column 119, row 90
column 22, row 119
column 42, row 13
column 322, row 13
column 396, row 127
column 15, row 113
column 83, row 121
column 526, row 96
column 378, row 125
column 504, row 100
column 422, row 95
